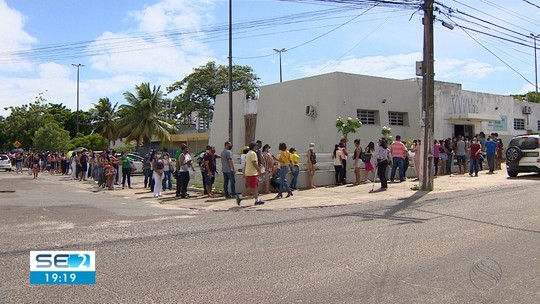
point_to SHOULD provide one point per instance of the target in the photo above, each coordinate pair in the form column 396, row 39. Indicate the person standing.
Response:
column 227, row 167
column 449, row 149
column 475, row 150
column 338, row 164
column 399, row 152
column 35, row 165
column 344, row 155
column 268, row 165
column 416, row 158
column 84, row 166
column 382, row 155
column 311, row 161
column 251, row 172
column 184, row 163
column 284, row 161
column 210, row 170
column 157, row 176
column 436, row 155
column 147, row 170
column 295, row 169
column 370, row 149
column 461, row 154
column 126, row 169
column 491, row 151
column 358, row 163
column 167, row 172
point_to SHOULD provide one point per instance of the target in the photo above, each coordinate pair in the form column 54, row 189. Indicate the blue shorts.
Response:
column 461, row 159
column 208, row 180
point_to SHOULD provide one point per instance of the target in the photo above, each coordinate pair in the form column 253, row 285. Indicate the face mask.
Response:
column 311, row 148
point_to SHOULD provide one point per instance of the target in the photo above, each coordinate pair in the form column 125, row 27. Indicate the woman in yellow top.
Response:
column 295, row 169
column 284, row 161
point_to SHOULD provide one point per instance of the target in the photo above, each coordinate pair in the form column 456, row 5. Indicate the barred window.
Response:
column 519, row 124
column 397, row 118
column 367, row 117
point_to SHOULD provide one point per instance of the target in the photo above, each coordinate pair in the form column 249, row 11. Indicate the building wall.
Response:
column 282, row 115
column 282, row 109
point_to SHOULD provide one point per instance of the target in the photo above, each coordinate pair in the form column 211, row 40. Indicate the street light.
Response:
column 78, row 65
column 280, row 70
column 535, row 62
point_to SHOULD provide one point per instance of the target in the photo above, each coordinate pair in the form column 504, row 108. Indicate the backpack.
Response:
column 200, row 159
column 160, row 165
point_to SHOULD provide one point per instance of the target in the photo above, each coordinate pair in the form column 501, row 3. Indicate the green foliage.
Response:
column 23, row 122
column 51, row 137
column 127, row 147
column 530, row 97
column 142, row 118
column 94, row 142
column 104, row 116
column 347, row 126
column 200, row 89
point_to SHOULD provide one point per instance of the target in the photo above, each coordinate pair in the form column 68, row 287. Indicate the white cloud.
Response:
column 398, row 66
column 12, row 37
column 403, row 66
column 159, row 54
column 160, row 60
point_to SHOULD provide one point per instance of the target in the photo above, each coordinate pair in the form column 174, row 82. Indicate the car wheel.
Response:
column 513, row 154
column 512, row 173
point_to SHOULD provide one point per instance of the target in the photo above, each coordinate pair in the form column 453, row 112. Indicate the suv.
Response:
column 523, row 155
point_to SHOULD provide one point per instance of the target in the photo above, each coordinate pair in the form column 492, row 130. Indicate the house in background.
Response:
column 301, row 111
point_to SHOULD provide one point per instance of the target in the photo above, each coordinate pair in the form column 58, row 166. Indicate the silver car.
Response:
column 4, row 162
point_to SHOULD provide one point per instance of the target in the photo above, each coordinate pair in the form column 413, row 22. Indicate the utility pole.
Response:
column 280, row 70
column 230, row 76
column 535, row 62
column 428, row 103
column 78, row 65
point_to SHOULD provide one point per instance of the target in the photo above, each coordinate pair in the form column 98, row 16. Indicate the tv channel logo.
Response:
column 62, row 267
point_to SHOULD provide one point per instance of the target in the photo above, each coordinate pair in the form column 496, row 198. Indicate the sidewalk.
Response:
column 312, row 198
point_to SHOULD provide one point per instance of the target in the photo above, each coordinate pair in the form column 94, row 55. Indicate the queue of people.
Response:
column 388, row 161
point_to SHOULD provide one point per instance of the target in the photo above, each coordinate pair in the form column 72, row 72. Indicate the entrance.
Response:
column 464, row 130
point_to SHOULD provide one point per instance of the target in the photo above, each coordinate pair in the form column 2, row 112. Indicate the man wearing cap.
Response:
column 252, row 172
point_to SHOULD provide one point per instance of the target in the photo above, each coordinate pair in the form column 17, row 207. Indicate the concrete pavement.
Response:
column 325, row 196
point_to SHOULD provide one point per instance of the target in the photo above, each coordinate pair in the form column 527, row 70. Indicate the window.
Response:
column 519, row 124
column 367, row 117
column 397, row 119
column 538, row 127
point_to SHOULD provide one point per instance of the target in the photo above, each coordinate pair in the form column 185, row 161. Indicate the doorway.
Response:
column 464, row 130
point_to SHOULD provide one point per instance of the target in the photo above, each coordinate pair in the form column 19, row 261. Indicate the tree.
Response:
column 23, row 122
column 348, row 126
column 142, row 117
column 530, row 97
column 51, row 137
column 104, row 119
column 94, row 142
column 200, row 89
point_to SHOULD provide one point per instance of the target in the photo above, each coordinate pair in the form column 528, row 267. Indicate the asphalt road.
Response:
column 466, row 247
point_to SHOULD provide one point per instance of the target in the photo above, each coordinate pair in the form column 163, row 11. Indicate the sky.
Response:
column 123, row 43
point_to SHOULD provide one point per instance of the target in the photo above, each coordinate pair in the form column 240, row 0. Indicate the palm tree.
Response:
column 105, row 116
column 143, row 117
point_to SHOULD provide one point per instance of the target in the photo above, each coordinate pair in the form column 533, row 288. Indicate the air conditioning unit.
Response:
column 310, row 111
column 527, row 110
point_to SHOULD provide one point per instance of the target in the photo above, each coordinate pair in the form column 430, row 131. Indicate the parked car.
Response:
column 4, row 162
column 523, row 155
column 138, row 162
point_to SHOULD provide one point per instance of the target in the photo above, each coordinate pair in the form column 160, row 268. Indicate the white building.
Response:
column 282, row 111
column 301, row 111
